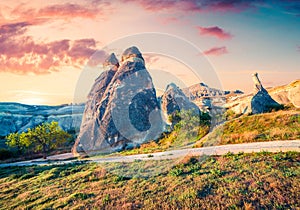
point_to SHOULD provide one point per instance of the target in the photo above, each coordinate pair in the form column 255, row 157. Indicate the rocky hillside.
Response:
column 285, row 95
column 207, row 98
column 19, row 117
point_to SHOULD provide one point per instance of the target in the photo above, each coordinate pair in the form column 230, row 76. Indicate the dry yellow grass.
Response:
column 281, row 125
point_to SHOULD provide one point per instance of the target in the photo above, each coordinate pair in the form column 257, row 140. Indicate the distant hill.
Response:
column 15, row 117
column 208, row 97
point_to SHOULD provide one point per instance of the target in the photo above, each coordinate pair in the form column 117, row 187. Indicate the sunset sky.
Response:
column 47, row 47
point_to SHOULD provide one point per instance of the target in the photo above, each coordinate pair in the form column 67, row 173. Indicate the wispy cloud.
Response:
column 69, row 10
column 293, row 8
column 214, row 31
column 194, row 5
column 53, row 12
column 216, row 51
column 168, row 20
column 223, row 6
column 21, row 54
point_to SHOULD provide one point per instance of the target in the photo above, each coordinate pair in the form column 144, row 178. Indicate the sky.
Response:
column 51, row 51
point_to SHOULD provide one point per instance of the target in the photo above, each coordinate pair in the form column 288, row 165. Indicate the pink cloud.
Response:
column 69, row 10
column 21, row 54
column 155, row 5
column 168, row 20
column 224, row 6
column 214, row 31
column 195, row 5
column 66, row 11
column 216, row 51
column 228, row 6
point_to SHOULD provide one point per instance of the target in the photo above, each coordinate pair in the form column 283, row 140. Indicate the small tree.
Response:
column 188, row 119
column 46, row 137
column 42, row 138
column 18, row 141
column 191, row 122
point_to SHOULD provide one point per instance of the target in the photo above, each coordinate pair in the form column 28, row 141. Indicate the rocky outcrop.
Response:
column 174, row 100
column 287, row 94
column 208, row 99
column 261, row 101
column 98, row 89
column 122, row 108
column 15, row 117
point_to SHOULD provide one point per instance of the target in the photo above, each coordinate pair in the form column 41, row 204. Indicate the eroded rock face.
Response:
column 122, row 109
column 287, row 94
column 174, row 100
column 208, row 99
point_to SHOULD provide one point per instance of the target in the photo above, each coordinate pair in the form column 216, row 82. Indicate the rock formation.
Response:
column 122, row 108
column 261, row 101
column 174, row 100
column 287, row 94
column 264, row 100
column 206, row 98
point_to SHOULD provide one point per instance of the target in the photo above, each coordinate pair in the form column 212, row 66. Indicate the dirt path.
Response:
column 271, row 146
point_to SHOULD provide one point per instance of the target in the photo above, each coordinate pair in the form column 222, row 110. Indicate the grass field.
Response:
column 280, row 125
column 249, row 181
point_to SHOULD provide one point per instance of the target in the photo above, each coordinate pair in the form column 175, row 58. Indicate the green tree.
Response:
column 46, row 137
column 42, row 138
column 189, row 119
column 18, row 141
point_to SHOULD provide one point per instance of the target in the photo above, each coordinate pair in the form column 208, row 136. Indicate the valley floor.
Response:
column 232, row 181
column 271, row 146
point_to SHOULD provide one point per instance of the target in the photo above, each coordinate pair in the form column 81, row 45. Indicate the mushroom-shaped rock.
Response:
column 261, row 101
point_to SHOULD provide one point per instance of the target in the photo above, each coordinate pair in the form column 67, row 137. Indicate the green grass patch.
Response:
column 232, row 181
column 281, row 125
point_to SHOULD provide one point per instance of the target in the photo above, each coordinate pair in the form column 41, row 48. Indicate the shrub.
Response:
column 5, row 154
column 177, row 171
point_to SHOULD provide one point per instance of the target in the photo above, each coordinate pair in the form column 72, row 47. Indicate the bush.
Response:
column 5, row 154
column 176, row 171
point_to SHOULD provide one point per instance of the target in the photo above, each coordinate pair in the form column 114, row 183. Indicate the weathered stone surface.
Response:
column 174, row 100
column 208, row 99
column 287, row 94
column 111, row 62
column 260, row 100
column 122, row 108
